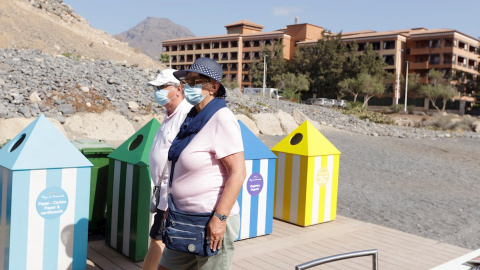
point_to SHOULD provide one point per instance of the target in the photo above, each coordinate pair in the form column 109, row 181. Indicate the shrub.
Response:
column 396, row 108
column 410, row 109
column 365, row 113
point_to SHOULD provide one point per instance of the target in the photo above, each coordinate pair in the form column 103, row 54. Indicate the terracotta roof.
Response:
column 224, row 36
column 244, row 22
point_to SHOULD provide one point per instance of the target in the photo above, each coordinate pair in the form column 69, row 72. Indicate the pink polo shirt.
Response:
column 200, row 176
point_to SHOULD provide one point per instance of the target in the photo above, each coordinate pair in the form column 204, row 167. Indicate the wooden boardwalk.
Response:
column 290, row 245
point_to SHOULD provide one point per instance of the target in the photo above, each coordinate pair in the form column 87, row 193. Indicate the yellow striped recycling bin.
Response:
column 128, row 197
column 306, row 182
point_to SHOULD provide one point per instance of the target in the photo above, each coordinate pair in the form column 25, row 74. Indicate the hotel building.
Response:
column 441, row 49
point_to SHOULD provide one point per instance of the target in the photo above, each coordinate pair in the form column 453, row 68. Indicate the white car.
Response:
column 341, row 103
column 321, row 101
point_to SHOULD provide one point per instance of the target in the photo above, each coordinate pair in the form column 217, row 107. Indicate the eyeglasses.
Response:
column 193, row 82
column 163, row 86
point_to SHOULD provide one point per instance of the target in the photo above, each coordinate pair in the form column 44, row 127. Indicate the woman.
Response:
column 208, row 166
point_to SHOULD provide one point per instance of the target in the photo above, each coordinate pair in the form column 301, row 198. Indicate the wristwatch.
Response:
column 221, row 217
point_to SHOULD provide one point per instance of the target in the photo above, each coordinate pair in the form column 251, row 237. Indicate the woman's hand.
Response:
column 216, row 231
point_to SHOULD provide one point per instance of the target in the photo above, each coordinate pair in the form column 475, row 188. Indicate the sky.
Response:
column 207, row 18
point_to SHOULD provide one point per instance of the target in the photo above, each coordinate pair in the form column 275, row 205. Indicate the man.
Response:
column 168, row 93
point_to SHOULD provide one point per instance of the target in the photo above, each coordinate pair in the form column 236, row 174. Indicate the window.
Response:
column 224, row 56
column 375, row 46
column 256, row 43
column 267, row 42
column 387, row 45
column 449, row 58
column 233, row 77
column 166, row 48
column 389, row 59
column 434, row 43
column 246, row 67
column 190, row 47
column 256, row 55
column 182, row 59
column 233, row 67
column 245, row 78
column 421, row 44
column 206, row 46
column 233, row 56
column 215, row 56
column 215, row 45
column 174, row 59
column 246, row 56
column 207, row 55
column 224, row 67
column 434, row 59
column 174, row 48
column 224, row 44
column 462, row 61
column 462, row 45
column 361, row 47
column 247, row 44
column 234, row 44
column 198, row 56
column 448, row 42
column 189, row 57
column 181, row 48
column 198, row 46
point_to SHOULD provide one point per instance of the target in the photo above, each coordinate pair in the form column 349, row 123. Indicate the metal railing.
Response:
column 349, row 255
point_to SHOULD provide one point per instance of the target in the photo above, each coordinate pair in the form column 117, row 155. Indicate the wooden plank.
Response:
column 290, row 245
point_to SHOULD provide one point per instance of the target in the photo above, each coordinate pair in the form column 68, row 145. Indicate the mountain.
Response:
column 53, row 27
column 149, row 34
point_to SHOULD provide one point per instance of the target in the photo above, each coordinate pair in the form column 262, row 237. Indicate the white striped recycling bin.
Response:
column 256, row 196
column 128, row 194
column 44, row 194
column 306, row 183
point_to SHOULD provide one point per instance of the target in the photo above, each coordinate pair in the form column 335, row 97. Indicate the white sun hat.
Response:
column 165, row 76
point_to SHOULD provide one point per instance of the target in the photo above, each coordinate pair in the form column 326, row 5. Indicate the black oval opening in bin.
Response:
column 135, row 143
column 296, row 139
column 18, row 142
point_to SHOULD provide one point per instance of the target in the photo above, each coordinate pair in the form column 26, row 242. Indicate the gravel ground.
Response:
column 427, row 187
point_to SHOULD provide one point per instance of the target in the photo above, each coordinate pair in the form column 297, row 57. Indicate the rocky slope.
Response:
column 53, row 27
column 149, row 34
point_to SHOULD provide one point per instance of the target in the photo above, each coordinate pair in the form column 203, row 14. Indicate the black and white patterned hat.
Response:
column 207, row 67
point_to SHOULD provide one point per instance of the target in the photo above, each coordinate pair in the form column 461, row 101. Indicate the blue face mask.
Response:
column 161, row 96
column 193, row 95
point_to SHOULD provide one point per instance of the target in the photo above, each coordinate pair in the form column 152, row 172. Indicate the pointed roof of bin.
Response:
column 41, row 146
column 135, row 150
column 253, row 147
column 306, row 140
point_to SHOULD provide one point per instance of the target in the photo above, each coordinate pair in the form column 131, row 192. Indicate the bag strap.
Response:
column 163, row 173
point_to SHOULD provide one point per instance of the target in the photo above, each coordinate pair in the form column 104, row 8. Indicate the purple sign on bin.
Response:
column 255, row 184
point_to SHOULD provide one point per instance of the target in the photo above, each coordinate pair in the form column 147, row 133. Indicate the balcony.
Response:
column 419, row 65
column 427, row 50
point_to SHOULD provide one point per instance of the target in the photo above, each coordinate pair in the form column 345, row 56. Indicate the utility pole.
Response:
column 406, row 89
column 399, row 70
column 264, row 74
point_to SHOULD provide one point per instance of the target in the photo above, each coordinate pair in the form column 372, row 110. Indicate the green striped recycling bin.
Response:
column 128, row 197
column 96, row 152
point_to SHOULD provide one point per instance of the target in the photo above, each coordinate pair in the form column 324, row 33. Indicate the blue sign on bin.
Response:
column 44, row 195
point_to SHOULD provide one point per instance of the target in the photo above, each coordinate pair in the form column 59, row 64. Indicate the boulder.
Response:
column 249, row 123
column 287, row 122
column 108, row 126
column 476, row 126
column 10, row 128
column 299, row 118
column 268, row 124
